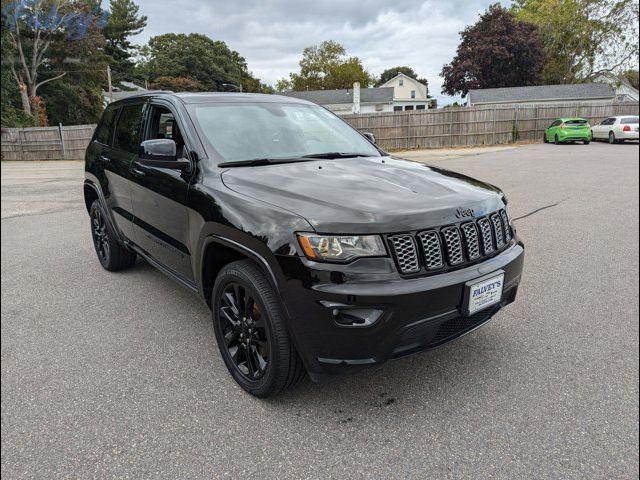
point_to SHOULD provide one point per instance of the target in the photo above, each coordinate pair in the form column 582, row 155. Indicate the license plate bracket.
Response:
column 483, row 292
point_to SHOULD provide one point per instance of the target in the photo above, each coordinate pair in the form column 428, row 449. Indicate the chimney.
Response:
column 356, row 98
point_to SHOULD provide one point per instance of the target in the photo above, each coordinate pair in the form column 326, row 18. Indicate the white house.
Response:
column 408, row 93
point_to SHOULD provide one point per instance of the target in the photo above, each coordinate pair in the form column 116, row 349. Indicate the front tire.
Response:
column 612, row 138
column 251, row 332
column 112, row 255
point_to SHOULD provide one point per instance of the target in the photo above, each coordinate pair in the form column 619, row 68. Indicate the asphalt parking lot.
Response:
column 118, row 375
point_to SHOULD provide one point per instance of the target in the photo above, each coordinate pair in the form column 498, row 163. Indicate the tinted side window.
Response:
column 104, row 130
column 128, row 129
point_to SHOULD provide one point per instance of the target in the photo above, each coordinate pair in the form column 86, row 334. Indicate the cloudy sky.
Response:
column 271, row 34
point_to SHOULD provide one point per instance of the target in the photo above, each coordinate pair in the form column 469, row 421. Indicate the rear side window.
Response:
column 629, row 120
column 128, row 129
column 104, row 131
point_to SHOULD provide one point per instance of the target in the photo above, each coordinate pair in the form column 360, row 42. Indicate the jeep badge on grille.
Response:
column 464, row 212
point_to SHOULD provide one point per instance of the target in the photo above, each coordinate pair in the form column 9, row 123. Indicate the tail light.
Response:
column 626, row 128
column 563, row 125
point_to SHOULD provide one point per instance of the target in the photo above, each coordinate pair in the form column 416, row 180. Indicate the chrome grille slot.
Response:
column 497, row 228
column 431, row 249
column 505, row 224
column 470, row 234
column 405, row 251
column 487, row 237
column 453, row 245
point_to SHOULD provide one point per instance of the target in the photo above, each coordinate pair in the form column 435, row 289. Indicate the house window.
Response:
column 379, row 107
column 401, row 82
column 420, row 107
column 408, row 107
column 413, row 94
column 397, row 108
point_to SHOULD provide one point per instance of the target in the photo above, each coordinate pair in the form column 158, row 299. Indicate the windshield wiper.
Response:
column 254, row 162
column 330, row 155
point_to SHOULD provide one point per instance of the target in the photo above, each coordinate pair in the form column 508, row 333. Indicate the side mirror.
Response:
column 370, row 136
column 162, row 153
column 158, row 149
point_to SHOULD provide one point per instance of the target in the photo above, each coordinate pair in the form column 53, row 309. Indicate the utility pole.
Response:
column 109, row 83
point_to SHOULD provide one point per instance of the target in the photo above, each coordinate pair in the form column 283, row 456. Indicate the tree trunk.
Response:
column 26, row 105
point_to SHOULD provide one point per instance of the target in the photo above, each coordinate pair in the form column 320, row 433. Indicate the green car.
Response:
column 568, row 130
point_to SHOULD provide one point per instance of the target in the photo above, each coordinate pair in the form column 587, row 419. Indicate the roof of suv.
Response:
column 220, row 97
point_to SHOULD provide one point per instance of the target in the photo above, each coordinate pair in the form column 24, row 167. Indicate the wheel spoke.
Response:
column 230, row 316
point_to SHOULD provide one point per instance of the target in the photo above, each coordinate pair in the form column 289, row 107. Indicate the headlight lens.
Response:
column 341, row 248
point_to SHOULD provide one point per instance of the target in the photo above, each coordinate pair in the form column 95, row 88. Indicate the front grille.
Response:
column 451, row 246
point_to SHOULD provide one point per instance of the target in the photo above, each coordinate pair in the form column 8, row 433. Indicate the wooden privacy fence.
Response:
column 485, row 125
column 46, row 143
column 399, row 130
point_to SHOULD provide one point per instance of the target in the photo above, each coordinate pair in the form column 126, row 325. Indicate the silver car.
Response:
column 616, row 129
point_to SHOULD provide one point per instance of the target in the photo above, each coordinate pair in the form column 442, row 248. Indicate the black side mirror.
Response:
column 162, row 153
column 158, row 149
column 370, row 136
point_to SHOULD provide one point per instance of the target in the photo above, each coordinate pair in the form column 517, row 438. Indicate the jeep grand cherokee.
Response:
column 315, row 250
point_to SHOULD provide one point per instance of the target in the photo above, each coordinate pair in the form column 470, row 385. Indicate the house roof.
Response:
column 400, row 74
column 578, row 91
column 332, row 97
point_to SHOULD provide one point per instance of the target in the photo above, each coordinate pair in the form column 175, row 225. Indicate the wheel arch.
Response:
column 217, row 252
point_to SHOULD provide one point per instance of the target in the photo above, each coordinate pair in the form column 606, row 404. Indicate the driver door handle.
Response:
column 136, row 171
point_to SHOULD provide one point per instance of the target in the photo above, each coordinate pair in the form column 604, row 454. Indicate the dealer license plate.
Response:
column 483, row 292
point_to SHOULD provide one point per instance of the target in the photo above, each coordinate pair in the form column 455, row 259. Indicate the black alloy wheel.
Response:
column 245, row 331
column 251, row 331
column 100, row 236
column 112, row 254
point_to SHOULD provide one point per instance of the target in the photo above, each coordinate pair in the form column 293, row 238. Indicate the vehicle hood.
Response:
column 366, row 194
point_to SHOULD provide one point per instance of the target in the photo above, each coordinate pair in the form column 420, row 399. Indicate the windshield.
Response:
column 242, row 131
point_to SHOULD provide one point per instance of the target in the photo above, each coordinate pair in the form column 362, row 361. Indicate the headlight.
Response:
column 341, row 248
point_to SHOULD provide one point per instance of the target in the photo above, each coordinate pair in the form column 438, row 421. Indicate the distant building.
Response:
column 401, row 93
column 408, row 93
column 578, row 92
column 625, row 92
column 344, row 102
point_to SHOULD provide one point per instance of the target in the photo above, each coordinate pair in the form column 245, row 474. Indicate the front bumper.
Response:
column 417, row 313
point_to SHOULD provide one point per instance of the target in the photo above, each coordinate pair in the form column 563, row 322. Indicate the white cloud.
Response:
column 271, row 34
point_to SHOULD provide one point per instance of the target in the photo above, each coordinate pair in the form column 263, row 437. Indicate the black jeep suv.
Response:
column 315, row 250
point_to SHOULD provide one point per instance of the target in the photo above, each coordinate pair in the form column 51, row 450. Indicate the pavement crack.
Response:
column 537, row 210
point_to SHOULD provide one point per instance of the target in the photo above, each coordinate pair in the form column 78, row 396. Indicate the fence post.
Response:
column 450, row 127
column 61, row 140
column 494, row 126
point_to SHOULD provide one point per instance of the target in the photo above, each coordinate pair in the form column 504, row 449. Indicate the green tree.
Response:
column 583, row 38
column 124, row 21
column 326, row 67
column 196, row 57
column 631, row 76
column 498, row 51
column 77, row 97
column 390, row 73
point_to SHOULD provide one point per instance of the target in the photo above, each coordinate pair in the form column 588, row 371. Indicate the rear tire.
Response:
column 587, row 142
column 112, row 255
column 556, row 140
column 251, row 331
